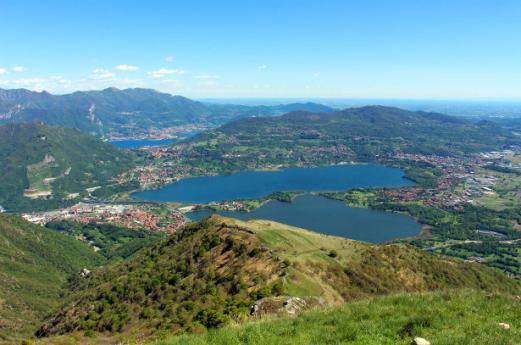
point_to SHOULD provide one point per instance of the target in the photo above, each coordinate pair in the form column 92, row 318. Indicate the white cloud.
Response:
column 19, row 69
column 98, row 79
column 262, row 67
column 126, row 68
column 161, row 73
column 36, row 84
column 3, row 71
column 170, row 58
column 101, row 73
column 91, row 83
column 50, row 84
column 316, row 74
column 206, row 76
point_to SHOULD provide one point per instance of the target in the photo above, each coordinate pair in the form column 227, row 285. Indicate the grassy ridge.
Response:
column 452, row 318
column 342, row 270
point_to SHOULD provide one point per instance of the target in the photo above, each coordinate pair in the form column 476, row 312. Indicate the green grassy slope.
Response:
column 453, row 318
column 342, row 270
column 31, row 154
column 211, row 272
column 34, row 265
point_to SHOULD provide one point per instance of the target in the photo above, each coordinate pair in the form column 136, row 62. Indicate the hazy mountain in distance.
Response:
column 127, row 112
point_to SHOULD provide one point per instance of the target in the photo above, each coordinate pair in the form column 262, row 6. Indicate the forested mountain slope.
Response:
column 45, row 166
column 34, row 265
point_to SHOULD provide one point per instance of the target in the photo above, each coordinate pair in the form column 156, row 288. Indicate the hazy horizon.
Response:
column 278, row 99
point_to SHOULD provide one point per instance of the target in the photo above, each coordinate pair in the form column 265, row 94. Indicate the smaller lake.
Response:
column 258, row 184
column 330, row 217
column 135, row 144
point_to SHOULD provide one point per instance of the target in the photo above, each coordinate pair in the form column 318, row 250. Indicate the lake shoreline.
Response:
column 306, row 179
column 328, row 216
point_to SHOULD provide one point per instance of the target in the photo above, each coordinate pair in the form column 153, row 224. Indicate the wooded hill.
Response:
column 365, row 134
column 45, row 167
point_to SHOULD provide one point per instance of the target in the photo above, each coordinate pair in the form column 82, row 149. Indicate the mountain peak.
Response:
column 111, row 89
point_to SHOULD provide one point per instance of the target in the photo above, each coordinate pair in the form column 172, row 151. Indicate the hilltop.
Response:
column 34, row 265
column 45, row 166
column 211, row 272
column 126, row 112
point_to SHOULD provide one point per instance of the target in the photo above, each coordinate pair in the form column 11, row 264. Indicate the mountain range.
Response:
column 129, row 112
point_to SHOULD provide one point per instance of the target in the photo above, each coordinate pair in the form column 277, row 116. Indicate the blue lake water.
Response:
column 134, row 144
column 307, row 211
column 330, row 217
column 257, row 184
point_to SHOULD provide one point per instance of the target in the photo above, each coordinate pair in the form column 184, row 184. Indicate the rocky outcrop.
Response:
column 284, row 305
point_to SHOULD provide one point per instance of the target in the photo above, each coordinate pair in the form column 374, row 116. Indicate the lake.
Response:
column 134, row 144
column 330, row 217
column 258, row 184
column 307, row 211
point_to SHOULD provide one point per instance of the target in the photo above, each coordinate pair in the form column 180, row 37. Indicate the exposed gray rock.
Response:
column 284, row 305
column 84, row 273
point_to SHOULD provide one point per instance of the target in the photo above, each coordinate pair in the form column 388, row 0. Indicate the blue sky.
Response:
column 439, row 49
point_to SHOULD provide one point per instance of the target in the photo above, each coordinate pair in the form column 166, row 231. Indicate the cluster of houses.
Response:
column 457, row 171
column 141, row 216
column 230, row 206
